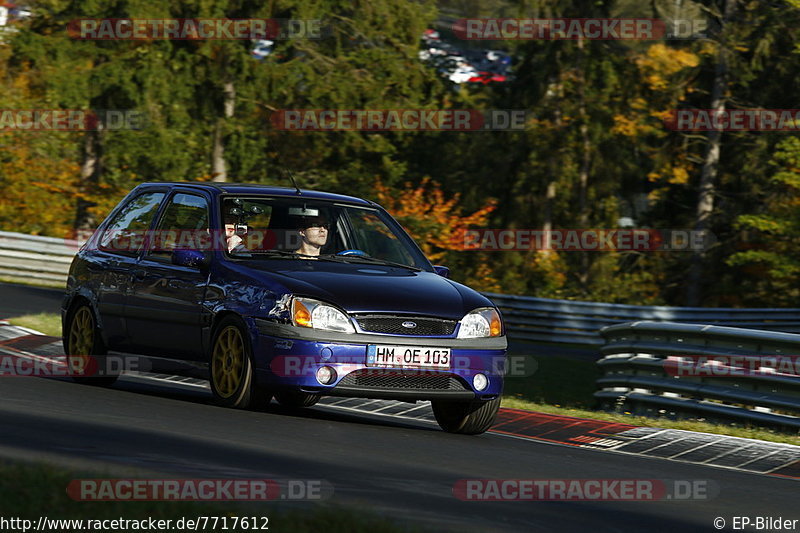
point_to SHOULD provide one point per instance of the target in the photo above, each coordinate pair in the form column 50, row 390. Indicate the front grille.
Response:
column 393, row 325
column 401, row 379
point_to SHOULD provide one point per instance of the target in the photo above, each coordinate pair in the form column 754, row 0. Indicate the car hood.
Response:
column 371, row 288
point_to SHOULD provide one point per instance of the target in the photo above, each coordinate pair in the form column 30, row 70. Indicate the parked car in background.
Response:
column 262, row 49
column 462, row 65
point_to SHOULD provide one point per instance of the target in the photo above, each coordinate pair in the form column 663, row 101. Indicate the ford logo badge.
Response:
column 409, row 324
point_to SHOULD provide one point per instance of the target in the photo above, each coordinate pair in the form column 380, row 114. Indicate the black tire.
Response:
column 85, row 350
column 296, row 399
column 466, row 418
column 231, row 370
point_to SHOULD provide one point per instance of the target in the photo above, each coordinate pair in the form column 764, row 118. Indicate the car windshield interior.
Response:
column 265, row 227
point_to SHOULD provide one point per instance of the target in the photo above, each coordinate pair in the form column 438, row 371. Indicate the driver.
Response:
column 234, row 241
column 314, row 234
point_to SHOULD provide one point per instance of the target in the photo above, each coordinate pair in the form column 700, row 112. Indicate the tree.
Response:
column 769, row 264
column 38, row 187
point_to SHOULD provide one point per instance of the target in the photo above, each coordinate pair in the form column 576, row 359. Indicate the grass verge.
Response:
column 30, row 491
column 33, row 282
column 47, row 323
column 559, row 386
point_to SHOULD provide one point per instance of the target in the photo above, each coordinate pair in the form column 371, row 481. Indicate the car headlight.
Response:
column 309, row 313
column 483, row 322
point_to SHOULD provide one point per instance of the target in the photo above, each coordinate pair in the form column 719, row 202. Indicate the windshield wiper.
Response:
column 335, row 258
column 294, row 255
column 281, row 253
column 368, row 259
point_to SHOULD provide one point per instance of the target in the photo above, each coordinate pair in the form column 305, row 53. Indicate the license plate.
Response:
column 407, row 356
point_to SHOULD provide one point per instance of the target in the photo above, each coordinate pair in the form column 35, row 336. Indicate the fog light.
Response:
column 480, row 382
column 326, row 375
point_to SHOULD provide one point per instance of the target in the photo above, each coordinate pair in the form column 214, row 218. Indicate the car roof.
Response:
column 255, row 188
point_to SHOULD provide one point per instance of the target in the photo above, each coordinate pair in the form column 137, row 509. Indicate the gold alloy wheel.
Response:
column 227, row 362
column 81, row 340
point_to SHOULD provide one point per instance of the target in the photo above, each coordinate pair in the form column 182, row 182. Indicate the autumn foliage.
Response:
column 430, row 218
column 437, row 224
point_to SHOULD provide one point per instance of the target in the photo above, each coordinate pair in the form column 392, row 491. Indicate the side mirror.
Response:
column 442, row 270
column 190, row 258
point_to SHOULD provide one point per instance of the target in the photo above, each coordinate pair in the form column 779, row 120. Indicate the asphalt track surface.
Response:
column 18, row 300
column 400, row 468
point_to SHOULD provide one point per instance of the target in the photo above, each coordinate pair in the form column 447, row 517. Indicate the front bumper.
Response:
column 288, row 357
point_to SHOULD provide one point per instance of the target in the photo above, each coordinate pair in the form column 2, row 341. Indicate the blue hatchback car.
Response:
column 282, row 293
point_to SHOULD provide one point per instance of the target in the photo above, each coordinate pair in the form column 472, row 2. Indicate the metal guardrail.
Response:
column 574, row 322
column 35, row 259
column 735, row 374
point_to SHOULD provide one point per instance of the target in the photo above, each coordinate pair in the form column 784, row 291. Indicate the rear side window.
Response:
column 126, row 232
column 185, row 220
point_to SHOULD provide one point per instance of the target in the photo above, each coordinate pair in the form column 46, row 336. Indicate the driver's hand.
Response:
column 233, row 242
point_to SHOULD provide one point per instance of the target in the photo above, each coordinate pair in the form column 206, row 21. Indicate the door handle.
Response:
column 99, row 266
column 178, row 284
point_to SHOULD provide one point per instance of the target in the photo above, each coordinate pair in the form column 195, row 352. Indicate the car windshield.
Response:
column 280, row 228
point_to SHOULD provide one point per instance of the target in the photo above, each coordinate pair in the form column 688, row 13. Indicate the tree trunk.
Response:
column 554, row 166
column 85, row 221
column 708, row 176
column 550, row 197
column 583, row 171
column 219, row 167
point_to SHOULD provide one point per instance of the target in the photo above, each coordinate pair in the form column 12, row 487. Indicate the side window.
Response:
column 184, row 224
column 126, row 232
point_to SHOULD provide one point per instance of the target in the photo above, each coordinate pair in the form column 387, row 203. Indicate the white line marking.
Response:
column 665, row 444
column 651, row 435
column 339, row 401
column 26, row 355
column 368, row 402
column 141, row 375
column 753, row 460
column 723, row 454
column 388, row 405
column 388, row 416
column 697, row 447
column 403, row 413
column 781, row 466
column 30, row 331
